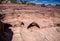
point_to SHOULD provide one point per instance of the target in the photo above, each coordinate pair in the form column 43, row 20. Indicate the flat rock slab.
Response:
column 46, row 34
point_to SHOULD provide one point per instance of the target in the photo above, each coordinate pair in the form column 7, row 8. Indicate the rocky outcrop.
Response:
column 30, row 25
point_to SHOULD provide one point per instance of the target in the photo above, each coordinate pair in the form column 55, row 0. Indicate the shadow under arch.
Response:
column 7, row 34
column 33, row 24
column 2, row 16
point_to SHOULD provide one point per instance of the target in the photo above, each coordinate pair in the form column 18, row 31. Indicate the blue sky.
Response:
column 53, row 2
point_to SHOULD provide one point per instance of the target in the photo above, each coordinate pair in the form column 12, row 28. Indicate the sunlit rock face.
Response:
column 32, row 25
column 24, row 28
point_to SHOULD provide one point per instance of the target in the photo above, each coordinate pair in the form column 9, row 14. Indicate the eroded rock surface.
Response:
column 27, row 25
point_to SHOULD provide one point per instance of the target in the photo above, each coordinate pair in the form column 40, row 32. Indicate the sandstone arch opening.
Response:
column 33, row 24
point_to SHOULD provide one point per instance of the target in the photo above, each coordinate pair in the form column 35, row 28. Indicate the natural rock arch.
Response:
column 33, row 24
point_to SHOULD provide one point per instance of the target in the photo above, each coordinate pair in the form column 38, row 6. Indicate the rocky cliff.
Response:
column 30, row 23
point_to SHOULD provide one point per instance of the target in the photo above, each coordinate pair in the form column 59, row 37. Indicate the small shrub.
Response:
column 42, row 5
column 57, row 4
column 32, row 3
column 13, row 1
column 0, row 1
column 23, row 1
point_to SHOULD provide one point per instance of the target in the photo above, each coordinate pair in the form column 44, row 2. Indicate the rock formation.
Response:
column 30, row 23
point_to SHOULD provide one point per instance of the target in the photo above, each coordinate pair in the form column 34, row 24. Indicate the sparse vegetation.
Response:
column 13, row 1
column 49, row 4
column 57, row 4
column 0, row 1
column 32, row 3
column 42, row 5
column 23, row 1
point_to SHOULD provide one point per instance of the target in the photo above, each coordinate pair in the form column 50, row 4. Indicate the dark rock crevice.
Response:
column 7, row 33
column 33, row 24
